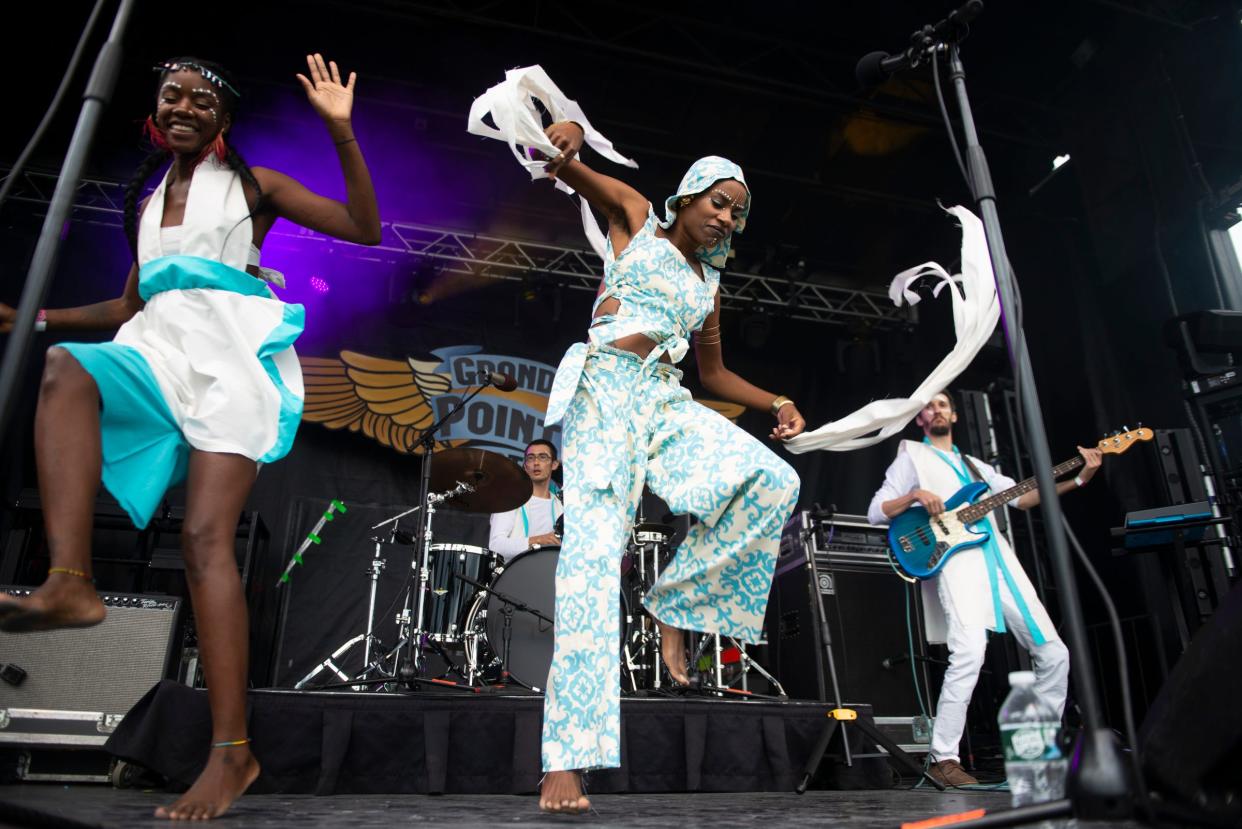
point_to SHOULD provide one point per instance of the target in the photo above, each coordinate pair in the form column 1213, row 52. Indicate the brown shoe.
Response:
column 951, row 773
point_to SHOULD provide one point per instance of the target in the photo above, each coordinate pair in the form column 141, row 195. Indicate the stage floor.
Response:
column 100, row 806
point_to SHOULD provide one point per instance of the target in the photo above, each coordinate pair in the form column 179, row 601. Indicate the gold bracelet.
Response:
column 708, row 335
column 780, row 401
column 68, row 571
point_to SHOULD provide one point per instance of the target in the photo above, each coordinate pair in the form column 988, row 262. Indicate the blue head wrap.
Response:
column 698, row 179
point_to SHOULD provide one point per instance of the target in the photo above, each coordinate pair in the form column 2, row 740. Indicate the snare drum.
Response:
column 449, row 598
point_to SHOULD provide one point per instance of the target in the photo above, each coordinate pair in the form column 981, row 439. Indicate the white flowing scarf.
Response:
column 517, row 123
column 976, row 311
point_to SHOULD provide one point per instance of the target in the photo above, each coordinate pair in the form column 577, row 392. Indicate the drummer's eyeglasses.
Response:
column 543, row 456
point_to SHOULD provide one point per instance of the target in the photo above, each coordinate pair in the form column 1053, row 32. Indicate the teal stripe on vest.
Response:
column 281, row 338
column 993, row 559
column 181, row 273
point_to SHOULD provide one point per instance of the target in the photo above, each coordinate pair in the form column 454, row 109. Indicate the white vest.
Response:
column 217, row 219
column 965, row 574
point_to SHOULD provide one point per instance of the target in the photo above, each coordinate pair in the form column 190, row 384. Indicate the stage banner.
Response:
column 393, row 400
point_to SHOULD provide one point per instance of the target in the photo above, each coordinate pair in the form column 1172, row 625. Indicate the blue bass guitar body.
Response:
column 922, row 543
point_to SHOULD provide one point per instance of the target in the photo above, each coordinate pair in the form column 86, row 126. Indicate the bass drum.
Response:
column 529, row 579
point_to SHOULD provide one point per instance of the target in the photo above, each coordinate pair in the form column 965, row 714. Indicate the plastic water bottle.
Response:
column 1034, row 764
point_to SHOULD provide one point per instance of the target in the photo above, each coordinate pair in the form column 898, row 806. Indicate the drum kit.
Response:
column 470, row 619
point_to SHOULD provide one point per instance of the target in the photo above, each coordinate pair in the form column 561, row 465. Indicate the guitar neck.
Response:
column 980, row 509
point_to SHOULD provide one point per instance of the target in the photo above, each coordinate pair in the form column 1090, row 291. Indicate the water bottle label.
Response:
column 1030, row 741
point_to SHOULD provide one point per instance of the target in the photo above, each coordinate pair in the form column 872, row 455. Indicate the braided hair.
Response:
column 228, row 102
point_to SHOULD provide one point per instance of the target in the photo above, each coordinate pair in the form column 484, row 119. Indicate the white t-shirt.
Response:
column 510, row 530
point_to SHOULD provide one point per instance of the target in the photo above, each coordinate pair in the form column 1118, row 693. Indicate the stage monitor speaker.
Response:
column 1192, row 735
column 105, row 668
column 864, row 604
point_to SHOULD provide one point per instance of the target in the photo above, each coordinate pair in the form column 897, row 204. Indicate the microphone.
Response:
column 888, row 662
column 876, row 67
column 502, row 382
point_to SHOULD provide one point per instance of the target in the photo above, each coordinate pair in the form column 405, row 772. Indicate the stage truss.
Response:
column 496, row 257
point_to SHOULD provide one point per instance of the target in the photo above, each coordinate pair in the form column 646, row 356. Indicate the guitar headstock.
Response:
column 1118, row 442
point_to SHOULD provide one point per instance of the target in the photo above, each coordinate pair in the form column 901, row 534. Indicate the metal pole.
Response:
column 1101, row 776
column 98, row 93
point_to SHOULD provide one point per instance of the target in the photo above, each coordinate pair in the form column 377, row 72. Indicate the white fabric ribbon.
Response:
column 518, row 123
column 976, row 311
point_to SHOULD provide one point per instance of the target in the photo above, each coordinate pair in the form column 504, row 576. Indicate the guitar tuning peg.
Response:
column 1124, row 429
column 1139, row 425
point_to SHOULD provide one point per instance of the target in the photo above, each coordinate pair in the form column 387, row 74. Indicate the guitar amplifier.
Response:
column 78, row 683
column 834, row 588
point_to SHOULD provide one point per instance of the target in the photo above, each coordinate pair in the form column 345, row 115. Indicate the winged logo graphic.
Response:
column 389, row 401
column 393, row 401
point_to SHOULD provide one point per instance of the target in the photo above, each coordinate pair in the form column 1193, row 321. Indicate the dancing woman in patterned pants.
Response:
column 628, row 422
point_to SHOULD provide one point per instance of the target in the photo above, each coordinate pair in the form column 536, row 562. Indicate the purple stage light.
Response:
column 319, row 285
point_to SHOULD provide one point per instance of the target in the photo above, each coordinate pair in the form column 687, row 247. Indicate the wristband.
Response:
column 775, row 405
column 41, row 320
column 346, row 141
column 1078, row 480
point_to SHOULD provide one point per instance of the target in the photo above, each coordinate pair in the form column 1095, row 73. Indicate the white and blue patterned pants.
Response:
column 628, row 425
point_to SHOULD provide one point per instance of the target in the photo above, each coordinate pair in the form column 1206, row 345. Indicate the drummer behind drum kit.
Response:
column 469, row 619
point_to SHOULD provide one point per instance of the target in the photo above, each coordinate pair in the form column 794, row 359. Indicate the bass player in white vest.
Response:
column 980, row 588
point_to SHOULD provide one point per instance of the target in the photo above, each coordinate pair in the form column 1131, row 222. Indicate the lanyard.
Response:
column 992, row 557
column 526, row 521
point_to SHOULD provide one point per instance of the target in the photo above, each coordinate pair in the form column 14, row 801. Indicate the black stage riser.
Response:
column 346, row 743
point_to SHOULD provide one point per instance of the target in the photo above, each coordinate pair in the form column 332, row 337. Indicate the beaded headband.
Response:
column 208, row 75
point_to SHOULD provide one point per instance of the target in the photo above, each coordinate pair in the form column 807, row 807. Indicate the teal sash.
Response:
column 992, row 557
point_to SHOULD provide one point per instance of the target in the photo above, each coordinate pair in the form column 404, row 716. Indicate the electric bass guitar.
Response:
column 922, row 543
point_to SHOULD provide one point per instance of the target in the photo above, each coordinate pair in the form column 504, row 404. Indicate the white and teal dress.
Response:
column 208, row 363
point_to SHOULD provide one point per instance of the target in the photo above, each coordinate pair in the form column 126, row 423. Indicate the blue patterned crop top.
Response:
column 661, row 296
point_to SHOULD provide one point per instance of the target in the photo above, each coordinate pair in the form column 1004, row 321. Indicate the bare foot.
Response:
column 64, row 601
column 228, row 773
column 562, row 792
column 673, row 651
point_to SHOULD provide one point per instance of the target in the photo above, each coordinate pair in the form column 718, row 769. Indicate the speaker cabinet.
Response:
column 865, row 607
column 104, row 669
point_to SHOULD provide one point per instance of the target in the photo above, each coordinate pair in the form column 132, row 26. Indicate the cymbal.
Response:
column 653, row 527
column 500, row 484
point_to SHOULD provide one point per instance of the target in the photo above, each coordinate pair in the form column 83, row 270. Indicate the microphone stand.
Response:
column 98, row 93
column 412, row 664
column 1098, row 785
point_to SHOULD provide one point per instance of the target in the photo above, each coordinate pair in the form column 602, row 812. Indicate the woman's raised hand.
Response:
column 332, row 100
column 567, row 137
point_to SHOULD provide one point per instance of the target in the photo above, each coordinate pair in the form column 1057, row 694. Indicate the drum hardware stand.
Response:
column 369, row 638
column 413, row 662
column 409, row 636
column 649, row 629
column 745, row 663
column 510, row 605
